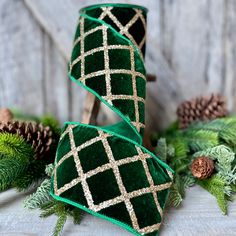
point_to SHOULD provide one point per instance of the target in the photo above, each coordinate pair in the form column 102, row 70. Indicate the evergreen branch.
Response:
column 49, row 208
column 10, row 170
column 77, row 215
column 188, row 181
column 49, row 170
column 12, row 145
column 216, row 187
column 215, row 125
column 49, row 120
column 201, row 139
column 60, row 224
column 161, row 149
column 220, row 152
column 175, row 197
column 179, row 161
column 32, row 176
column 224, row 157
column 41, row 196
column 228, row 134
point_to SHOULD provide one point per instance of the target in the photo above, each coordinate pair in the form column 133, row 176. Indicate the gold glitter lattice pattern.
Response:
column 113, row 165
column 107, row 72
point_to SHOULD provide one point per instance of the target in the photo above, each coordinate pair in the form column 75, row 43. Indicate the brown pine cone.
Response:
column 37, row 135
column 201, row 109
column 202, row 167
column 5, row 115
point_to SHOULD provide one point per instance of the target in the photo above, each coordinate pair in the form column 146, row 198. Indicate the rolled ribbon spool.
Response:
column 105, row 170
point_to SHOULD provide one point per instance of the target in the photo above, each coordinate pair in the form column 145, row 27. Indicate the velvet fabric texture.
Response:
column 105, row 170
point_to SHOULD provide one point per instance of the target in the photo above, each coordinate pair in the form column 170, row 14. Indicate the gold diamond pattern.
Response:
column 114, row 166
column 107, row 72
column 124, row 30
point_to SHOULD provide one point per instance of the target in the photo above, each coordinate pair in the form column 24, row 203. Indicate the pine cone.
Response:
column 201, row 109
column 37, row 135
column 202, row 167
column 5, row 115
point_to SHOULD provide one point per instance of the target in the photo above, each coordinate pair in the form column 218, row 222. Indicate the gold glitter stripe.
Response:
column 87, row 33
column 124, row 97
column 139, row 124
column 130, row 195
column 79, row 148
column 82, row 45
column 125, row 29
column 150, row 180
column 150, row 229
column 121, row 186
column 135, row 96
column 68, row 186
column 112, row 71
column 104, row 13
column 139, row 13
column 99, row 49
column 101, row 169
column 121, row 28
column 79, row 168
column 66, row 131
column 106, row 64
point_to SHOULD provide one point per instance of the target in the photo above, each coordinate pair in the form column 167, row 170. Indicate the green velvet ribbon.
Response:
column 105, row 170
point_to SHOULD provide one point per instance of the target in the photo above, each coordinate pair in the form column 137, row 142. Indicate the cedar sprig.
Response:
column 42, row 200
column 215, row 139
column 15, row 158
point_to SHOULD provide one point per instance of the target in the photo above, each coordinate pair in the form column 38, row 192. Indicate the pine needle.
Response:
column 175, row 197
column 201, row 139
column 216, row 186
column 33, row 175
column 60, row 224
column 41, row 196
column 10, row 170
column 12, row 145
column 161, row 149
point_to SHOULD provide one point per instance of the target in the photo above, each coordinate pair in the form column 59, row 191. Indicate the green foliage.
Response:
column 179, row 161
column 49, row 120
column 161, row 149
column 10, row 170
column 76, row 215
column 224, row 158
column 175, row 197
column 60, row 224
column 215, row 139
column 49, row 170
column 215, row 185
column 62, row 210
column 201, row 139
column 188, row 181
column 224, row 128
column 32, row 176
column 15, row 157
column 40, row 197
column 14, row 146
column 28, row 172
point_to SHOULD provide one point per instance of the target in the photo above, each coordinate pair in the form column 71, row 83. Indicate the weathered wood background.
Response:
column 191, row 47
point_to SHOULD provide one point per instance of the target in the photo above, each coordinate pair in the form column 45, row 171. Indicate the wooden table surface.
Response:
column 199, row 215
